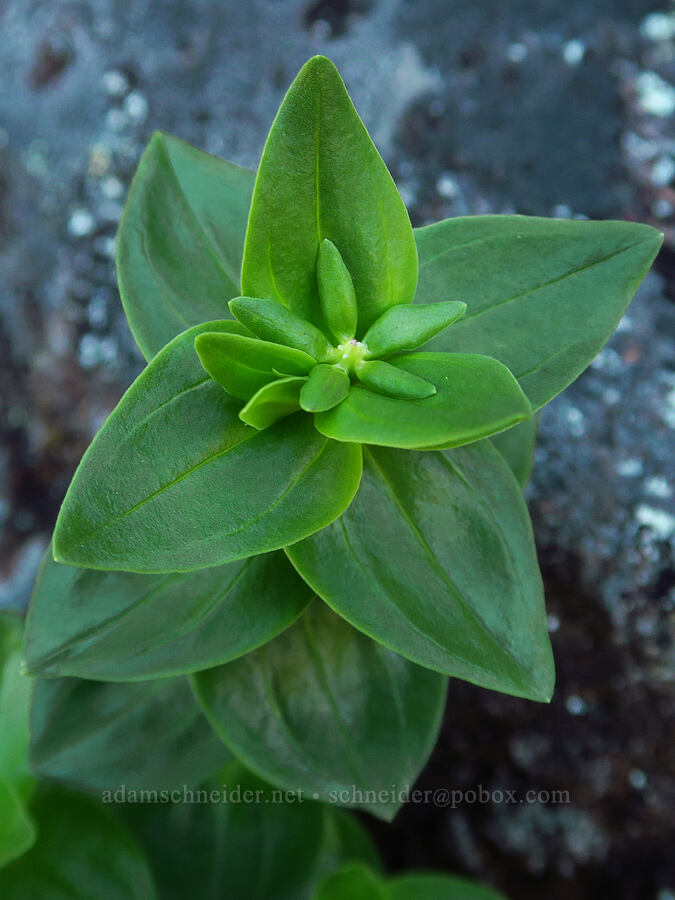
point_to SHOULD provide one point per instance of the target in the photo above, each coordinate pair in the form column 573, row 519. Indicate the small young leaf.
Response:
column 320, row 176
column 326, row 387
column 550, row 297
column 394, row 382
column 336, row 291
column 173, row 481
column 242, row 365
column 147, row 735
column 325, row 710
column 408, row 327
column 271, row 321
column 476, row 397
column 462, row 592
column 82, row 851
column 117, row 626
column 180, row 241
column 272, row 402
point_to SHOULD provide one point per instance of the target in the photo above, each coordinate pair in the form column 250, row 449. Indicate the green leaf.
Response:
column 255, row 845
column 325, row 388
column 17, row 831
column 180, row 240
column 336, row 292
column 390, row 380
column 433, row 886
column 99, row 736
column 15, row 689
column 461, row 592
column 82, row 852
column 408, row 327
column 272, row 402
column 271, row 321
column 243, row 365
column 175, row 480
column 320, row 177
column 476, row 397
column 326, row 711
column 543, row 295
column 517, row 447
column 118, row 626
column 353, row 882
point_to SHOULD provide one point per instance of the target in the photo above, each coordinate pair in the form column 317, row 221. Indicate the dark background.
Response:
column 536, row 106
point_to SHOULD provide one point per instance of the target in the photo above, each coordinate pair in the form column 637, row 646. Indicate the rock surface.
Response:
column 536, row 107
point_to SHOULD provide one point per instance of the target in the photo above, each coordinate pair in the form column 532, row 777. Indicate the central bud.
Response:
column 350, row 355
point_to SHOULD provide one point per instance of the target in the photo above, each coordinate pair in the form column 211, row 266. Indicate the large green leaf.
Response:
column 543, row 295
column 325, row 711
column 17, row 831
column 149, row 735
column 517, row 447
column 180, row 240
column 251, row 844
column 175, row 481
column 118, row 626
column 475, row 397
column 358, row 882
column 320, row 176
column 435, row 558
column 82, row 852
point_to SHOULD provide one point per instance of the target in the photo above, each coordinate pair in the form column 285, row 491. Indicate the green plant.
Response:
column 308, row 447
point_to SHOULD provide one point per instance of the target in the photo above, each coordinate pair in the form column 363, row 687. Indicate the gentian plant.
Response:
column 310, row 501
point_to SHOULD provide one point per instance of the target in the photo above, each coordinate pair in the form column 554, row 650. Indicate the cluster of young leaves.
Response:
column 137, row 841
column 296, row 509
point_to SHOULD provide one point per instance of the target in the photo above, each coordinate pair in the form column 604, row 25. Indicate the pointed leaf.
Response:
column 272, row 402
column 242, row 365
column 117, row 626
column 517, row 447
column 82, row 851
column 325, row 388
column 273, row 322
column 394, row 382
column 180, row 240
column 94, row 735
column 408, row 327
column 336, row 292
column 173, row 481
column 253, row 846
column 543, row 295
column 476, row 397
column 462, row 592
column 320, row 176
column 325, row 710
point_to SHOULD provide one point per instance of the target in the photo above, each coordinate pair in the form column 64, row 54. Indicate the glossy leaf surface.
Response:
column 476, row 397
column 336, row 292
column 176, row 481
column 325, row 388
column 543, row 295
column 394, row 382
column 273, row 322
column 272, row 402
column 517, row 447
column 254, row 847
column 320, row 176
column 99, row 736
column 82, row 852
column 118, row 626
column 408, row 327
column 325, row 710
column 460, row 591
column 242, row 365
column 180, row 240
